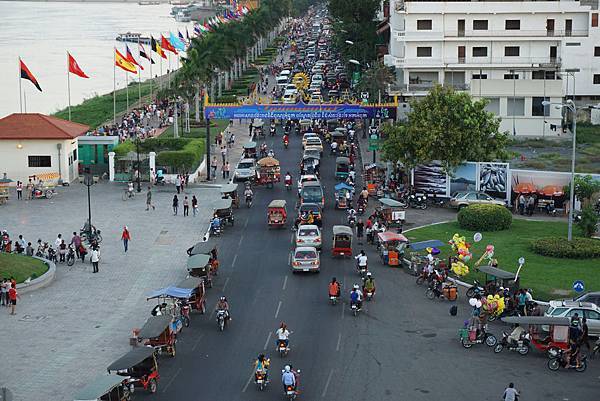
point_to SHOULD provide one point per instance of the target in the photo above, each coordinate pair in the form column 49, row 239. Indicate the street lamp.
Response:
column 569, row 104
column 355, row 62
column 349, row 42
column 137, row 151
column 88, row 181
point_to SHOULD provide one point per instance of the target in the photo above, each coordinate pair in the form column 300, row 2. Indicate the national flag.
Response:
column 207, row 27
column 198, row 30
column 122, row 62
column 187, row 35
column 26, row 74
column 176, row 42
column 144, row 54
column 131, row 59
column 166, row 45
column 157, row 48
column 74, row 67
column 180, row 35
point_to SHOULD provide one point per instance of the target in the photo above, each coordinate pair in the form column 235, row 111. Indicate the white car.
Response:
column 309, row 235
column 316, row 79
column 583, row 309
column 289, row 98
column 308, row 135
column 282, row 80
column 291, row 88
column 306, row 178
column 306, row 259
column 245, row 170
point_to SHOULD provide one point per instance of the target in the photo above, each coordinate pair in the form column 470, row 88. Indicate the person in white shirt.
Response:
column 283, row 334
column 511, row 393
column 95, row 258
column 362, row 260
column 58, row 241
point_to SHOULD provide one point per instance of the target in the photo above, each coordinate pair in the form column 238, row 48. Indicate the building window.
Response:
column 597, row 51
column 511, row 51
column 537, row 108
column 493, row 105
column 480, row 52
column 480, row 25
column 479, row 76
column 511, row 76
column 44, row 161
column 515, row 106
column 540, row 74
column 596, row 79
column 74, row 154
column 594, row 19
column 512, row 24
column 573, row 44
column 423, row 51
column 424, row 25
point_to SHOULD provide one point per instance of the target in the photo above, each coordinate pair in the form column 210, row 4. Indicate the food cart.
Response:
column 418, row 260
column 44, row 185
column 391, row 246
column 268, row 172
column 277, row 213
column 230, row 191
column 496, row 278
column 137, row 368
column 250, row 150
column 392, row 212
column 374, row 177
column 342, row 241
column 105, row 388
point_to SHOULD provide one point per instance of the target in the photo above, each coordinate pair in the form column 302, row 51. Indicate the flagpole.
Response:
column 139, row 76
column 151, row 78
column 169, row 72
column 115, row 86
column 160, row 77
column 69, row 86
column 20, row 91
column 25, row 99
column 127, row 90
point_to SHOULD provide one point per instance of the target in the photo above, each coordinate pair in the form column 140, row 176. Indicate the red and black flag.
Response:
column 144, row 55
column 26, row 74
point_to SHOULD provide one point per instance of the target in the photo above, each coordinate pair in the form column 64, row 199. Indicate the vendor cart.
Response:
column 374, row 177
column 392, row 212
column 496, row 278
column 391, row 246
column 268, row 172
column 418, row 256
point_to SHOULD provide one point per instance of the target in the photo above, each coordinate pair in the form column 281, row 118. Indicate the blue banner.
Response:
column 299, row 111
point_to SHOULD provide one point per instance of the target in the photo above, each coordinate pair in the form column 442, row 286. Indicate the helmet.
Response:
column 261, row 356
column 333, row 280
column 355, row 286
column 287, row 368
column 223, row 299
column 368, row 274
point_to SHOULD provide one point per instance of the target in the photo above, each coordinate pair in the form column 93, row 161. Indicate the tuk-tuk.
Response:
column 339, row 135
column 44, row 185
column 305, row 124
column 496, row 278
column 197, row 299
column 547, row 333
column 343, row 195
column 392, row 212
column 268, row 172
column 230, row 191
column 138, row 367
column 342, row 241
column 342, row 167
column 105, row 388
column 223, row 210
column 276, row 213
column 374, row 177
column 417, row 261
column 202, row 247
column 332, row 124
column 310, row 164
column 158, row 334
column 250, row 150
column 307, row 208
column 391, row 246
column 199, row 266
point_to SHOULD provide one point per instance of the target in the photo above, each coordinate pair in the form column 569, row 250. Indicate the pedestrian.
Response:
column 511, row 393
column 29, row 190
column 530, row 205
column 29, row 249
column 178, row 184
column 175, row 204
column 13, row 295
column 95, row 258
column 194, row 205
column 521, row 202
column 226, row 169
column 4, row 286
column 186, row 206
column 250, row 129
column 360, row 227
column 19, row 190
column 219, row 138
column 223, row 154
column 62, row 251
column 213, row 166
column 182, row 182
column 149, row 199
column 152, row 177
column 58, row 241
column 126, row 237
column 584, row 339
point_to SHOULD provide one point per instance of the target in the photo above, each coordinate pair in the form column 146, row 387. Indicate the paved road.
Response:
column 402, row 347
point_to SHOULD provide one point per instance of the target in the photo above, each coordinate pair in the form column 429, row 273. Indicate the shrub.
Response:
column 485, row 218
column 558, row 247
column 588, row 221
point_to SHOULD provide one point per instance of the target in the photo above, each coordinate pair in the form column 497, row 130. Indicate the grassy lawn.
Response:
column 20, row 267
column 548, row 277
column 216, row 126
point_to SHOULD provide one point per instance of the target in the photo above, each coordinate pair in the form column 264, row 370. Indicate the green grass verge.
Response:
column 20, row 267
column 545, row 275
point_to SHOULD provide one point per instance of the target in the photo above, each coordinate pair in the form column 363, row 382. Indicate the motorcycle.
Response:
column 369, row 295
column 521, row 346
column 248, row 201
column 288, row 184
column 481, row 337
column 51, row 256
column 360, row 210
column 351, row 219
column 286, row 143
column 354, row 308
column 71, row 256
column 260, row 378
column 435, row 289
column 362, row 271
column 215, row 229
column 282, row 348
column 272, row 131
column 417, row 202
column 221, row 318
column 475, row 289
column 333, row 299
column 184, row 311
column 559, row 361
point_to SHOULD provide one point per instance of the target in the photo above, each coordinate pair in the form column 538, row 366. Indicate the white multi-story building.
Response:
column 516, row 54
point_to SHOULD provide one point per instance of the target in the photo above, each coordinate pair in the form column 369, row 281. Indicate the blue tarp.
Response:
column 432, row 243
column 343, row 185
column 171, row 291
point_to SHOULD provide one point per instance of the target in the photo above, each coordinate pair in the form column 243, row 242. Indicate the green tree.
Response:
column 354, row 20
column 589, row 221
column 375, row 81
column 585, row 188
column 448, row 126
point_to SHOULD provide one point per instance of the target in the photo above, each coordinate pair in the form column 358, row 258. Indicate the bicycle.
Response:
column 127, row 194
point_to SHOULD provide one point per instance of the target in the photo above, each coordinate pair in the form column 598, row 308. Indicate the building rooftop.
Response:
column 39, row 126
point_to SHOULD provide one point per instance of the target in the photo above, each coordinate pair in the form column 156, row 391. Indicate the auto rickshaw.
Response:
column 230, row 191
column 223, row 210
column 418, row 261
column 392, row 212
column 340, row 135
column 138, row 368
column 199, row 266
column 342, row 200
column 310, row 164
column 342, row 168
column 44, row 185
column 158, row 334
column 391, row 246
column 268, row 172
column 250, row 150
column 276, row 213
column 105, row 388
column 202, row 247
column 197, row 299
column 496, row 278
column 342, row 241
column 305, row 209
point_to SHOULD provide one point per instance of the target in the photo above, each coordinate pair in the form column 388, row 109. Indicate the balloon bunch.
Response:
column 494, row 304
column 487, row 255
column 463, row 252
column 459, row 268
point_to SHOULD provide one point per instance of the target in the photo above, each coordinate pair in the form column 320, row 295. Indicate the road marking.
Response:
column 248, row 383
column 240, row 241
column 290, row 259
column 324, row 393
column 234, row 260
column 171, row 380
column 292, row 239
column 197, row 342
column 278, row 307
column 337, row 348
column 267, row 342
column 225, row 285
column 284, row 283
column 246, row 223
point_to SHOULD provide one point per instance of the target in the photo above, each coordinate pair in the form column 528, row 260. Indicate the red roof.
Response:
column 39, row 126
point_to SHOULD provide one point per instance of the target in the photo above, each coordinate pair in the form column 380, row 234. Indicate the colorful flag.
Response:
column 156, row 48
column 145, row 55
column 26, row 74
column 198, row 31
column 123, row 63
column 74, row 67
column 176, row 42
column 187, row 34
column 166, row 45
column 206, row 26
column 131, row 59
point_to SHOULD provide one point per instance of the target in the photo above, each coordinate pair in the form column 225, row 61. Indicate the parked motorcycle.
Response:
column 417, row 202
column 521, row 346
column 475, row 289
column 559, row 361
column 480, row 336
column 71, row 256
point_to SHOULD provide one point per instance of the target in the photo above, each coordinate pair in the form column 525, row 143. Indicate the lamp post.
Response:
column 569, row 104
column 88, row 181
column 137, row 152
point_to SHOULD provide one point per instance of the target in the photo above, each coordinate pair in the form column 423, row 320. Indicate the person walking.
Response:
column 213, row 166
column 223, row 154
column 13, row 295
column 194, row 205
column 95, row 258
column 175, row 205
column 29, row 189
column 186, row 206
column 510, row 393
column 149, row 199
column 19, row 190
column 360, row 230
column 4, row 287
column 178, row 184
column 125, row 237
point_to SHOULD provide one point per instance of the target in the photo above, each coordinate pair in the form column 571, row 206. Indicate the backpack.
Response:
column 453, row 310
column 354, row 296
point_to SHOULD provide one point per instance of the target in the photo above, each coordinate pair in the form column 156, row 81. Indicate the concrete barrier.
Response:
column 41, row 281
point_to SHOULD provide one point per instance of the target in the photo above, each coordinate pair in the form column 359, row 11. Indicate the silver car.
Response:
column 309, row 235
column 464, row 199
column 245, row 170
column 306, row 259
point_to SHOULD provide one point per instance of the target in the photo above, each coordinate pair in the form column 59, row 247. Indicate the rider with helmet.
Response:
column 288, row 378
column 224, row 306
column 356, row 296
column 369, row 284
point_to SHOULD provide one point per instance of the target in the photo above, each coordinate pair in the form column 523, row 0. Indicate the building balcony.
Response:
column 474, row 62
column 421, row 88
column 542, row 33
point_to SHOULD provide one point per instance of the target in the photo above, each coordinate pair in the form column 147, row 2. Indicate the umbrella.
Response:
column 5, row 180
column 525, row 188
column 551, row 190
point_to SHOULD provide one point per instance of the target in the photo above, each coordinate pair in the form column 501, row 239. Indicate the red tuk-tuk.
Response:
column 276, row 213
column 157, row 333
column 342, row 241
column 547, row 333
column 391, row 245
column 268, row 172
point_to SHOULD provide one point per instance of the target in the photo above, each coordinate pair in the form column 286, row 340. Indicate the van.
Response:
column 312, row 192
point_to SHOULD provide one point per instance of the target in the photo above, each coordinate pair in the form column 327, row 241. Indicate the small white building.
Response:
column 36, row 144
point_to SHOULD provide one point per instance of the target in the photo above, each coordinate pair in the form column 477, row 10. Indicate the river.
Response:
column 41, row 34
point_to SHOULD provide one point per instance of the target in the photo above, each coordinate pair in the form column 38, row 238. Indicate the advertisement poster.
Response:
column 464, row 178
column 493, row 179
column 540, row 184
column 430, row 179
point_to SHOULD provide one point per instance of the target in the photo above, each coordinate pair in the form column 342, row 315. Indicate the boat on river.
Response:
column 133, row 37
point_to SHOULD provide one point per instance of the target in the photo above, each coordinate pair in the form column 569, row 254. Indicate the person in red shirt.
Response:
column 12, row 298
column 125, row 236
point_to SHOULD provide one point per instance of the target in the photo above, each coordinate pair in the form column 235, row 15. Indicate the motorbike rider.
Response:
column 334, row 288
column 286, row 139
column 263, row 149
column 516, row 334
column 261, row 365
column 288, row 178
column 248, row 194
column 270, row 153
column 369, row 284
column 288, row 378
column 362, row 260
column 351, row 214
column 356, row 296
column 283, row 334
column 224, row 306
column 215, row 223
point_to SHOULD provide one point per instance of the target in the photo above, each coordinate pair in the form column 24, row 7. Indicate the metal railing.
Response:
column 516, row 33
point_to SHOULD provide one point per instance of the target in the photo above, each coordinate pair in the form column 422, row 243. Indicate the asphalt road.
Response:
column 401, row 347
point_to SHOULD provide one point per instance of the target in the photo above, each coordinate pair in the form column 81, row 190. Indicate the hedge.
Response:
column 179, row 153
column 485, row 218
column 557, row 247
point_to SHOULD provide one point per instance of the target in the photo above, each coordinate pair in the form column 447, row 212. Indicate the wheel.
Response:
column 424, row 206
column 125, row 196
column 524, row 350
column 498, row 348
column 430, row 294
column 355, row 312
column 98, row 238
column 203, row 308
column 470, row 293
column 173, row 350
column 583, row 366
column 491, row 340
column 186, row 321
column 420, row 280
column 221, row 325
column 152, row 386
column 491, row 318
column 552, row 352
column 70, row 261
column 49, row 194
column 465, row 343
column 461, row 207
column 553, row 364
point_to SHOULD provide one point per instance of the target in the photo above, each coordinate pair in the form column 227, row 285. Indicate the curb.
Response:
column 40, row 282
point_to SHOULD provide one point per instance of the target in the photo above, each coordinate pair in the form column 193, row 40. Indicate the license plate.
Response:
column 305, row 270
column 259, row 381
column 341, row 253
